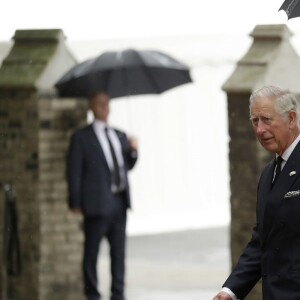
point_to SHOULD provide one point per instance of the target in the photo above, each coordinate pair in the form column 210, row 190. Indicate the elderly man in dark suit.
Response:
column 98, row 161
column 273, row 253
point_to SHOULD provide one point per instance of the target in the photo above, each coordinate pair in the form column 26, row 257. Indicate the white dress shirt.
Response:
column 286, row 154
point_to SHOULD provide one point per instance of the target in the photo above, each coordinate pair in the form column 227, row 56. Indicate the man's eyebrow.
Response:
column 252, row 118
column 261, row 116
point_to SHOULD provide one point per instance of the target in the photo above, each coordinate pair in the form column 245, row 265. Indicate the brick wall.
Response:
column 61, row 236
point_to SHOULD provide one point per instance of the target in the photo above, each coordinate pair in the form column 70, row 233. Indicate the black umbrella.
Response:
column 291, row 7
column 124, row 73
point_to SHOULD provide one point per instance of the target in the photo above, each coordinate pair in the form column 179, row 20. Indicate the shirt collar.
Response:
column 286, row 154
column 98, row 124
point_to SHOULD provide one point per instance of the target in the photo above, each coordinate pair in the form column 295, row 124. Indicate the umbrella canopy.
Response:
column 291, row 7
column 124, row 73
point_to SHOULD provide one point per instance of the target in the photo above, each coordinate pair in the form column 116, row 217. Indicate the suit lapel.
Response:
column 96, row 145
column 288, row 175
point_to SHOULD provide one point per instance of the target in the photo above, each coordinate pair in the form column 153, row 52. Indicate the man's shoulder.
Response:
column 83, row 131
column 268, row 164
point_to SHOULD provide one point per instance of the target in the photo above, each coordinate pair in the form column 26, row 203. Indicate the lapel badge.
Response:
column 292, row 173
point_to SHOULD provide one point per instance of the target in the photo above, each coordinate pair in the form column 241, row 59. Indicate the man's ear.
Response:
column 292, row 119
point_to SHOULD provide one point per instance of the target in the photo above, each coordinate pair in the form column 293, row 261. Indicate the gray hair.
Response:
column 284, row 100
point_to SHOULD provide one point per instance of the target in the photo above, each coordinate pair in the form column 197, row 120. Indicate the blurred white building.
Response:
column 181, row 180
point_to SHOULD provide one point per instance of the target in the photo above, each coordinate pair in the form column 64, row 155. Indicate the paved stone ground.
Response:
column 173, row 266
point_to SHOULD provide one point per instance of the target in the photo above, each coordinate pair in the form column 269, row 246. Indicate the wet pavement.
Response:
column 173, row 266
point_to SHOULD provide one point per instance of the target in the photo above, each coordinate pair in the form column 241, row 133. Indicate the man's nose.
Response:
column 260, row 128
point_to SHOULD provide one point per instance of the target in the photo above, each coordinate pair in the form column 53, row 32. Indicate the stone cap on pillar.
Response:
column 37, row 59
column 270, row 60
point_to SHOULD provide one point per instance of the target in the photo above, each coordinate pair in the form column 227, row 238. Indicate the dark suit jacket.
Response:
column 273, row 252
column 88, row 174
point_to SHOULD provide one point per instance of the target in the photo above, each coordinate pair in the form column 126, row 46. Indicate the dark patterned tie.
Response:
column 279, row 160
column 116, row 171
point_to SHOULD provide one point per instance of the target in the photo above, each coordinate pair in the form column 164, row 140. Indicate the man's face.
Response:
column 273, row 131
column 99, row 104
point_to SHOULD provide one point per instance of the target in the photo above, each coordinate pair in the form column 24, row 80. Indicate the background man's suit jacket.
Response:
column 88, row 173
column 273, row 253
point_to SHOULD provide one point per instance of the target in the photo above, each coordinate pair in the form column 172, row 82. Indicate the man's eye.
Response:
column 254, row 121
column 266, row 120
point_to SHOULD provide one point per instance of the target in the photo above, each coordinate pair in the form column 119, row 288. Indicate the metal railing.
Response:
column 12, row 254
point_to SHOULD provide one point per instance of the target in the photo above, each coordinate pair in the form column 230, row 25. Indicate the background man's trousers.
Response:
column 113, row 227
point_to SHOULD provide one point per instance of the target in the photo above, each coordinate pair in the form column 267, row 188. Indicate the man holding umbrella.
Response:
column 99, row 158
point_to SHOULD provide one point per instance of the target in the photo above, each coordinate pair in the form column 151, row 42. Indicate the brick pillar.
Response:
column 19, row 166
column 34, row 139
column 247, row 159
column 35, row 128
column 61, row 236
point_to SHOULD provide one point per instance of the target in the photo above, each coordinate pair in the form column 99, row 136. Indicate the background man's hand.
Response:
column 133, row 143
